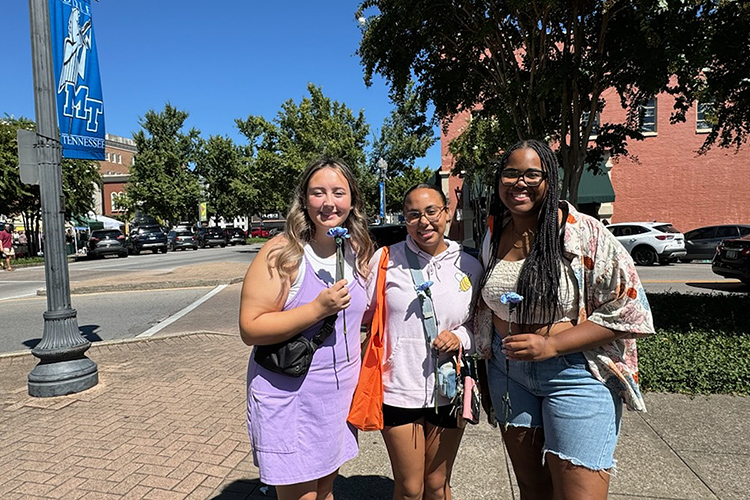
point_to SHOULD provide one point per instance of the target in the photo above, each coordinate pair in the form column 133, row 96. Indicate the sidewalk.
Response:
column 167, row 421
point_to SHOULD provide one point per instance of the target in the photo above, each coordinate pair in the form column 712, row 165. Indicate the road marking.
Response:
column 19, row 296
column 160, row 326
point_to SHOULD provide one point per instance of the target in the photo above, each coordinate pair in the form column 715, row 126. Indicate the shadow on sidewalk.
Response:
column 344, row 488
column 86, row 331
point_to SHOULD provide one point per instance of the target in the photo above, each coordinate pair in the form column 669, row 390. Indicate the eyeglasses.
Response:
column 432, row 214
column 532, row 177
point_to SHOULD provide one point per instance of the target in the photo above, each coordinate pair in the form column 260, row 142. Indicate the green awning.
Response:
column 82, row 221
column 595, row 188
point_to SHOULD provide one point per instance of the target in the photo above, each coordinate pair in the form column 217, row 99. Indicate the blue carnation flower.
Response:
column 510, row 298
column 338, row 232
column 424, row 287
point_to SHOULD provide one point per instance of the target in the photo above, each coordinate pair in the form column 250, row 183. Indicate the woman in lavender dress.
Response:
column 297, row 426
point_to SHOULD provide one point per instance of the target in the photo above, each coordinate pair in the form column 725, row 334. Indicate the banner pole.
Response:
column 63, row 367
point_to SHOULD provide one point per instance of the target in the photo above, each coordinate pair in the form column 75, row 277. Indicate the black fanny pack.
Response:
column 294, row 356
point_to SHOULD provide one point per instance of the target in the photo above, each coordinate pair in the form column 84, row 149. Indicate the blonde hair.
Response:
column 299, row 228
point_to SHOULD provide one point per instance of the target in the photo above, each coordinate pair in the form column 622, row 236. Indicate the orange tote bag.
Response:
column 366, row 413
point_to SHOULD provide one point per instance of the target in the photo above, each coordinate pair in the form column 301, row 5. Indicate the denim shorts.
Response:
column 579, row 415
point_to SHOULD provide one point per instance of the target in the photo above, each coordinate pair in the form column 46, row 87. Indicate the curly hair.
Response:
column 539, row 280
column 299, row 228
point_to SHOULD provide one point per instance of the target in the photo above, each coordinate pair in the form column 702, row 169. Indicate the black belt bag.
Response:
column 294, row 356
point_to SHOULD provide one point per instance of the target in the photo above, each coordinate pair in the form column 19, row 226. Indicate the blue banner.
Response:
column 382, row 199
column 80, row 107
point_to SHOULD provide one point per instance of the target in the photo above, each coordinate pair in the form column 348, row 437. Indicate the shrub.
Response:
column 701, row 346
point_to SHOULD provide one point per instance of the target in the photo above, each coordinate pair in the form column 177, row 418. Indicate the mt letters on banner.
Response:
column 80, row 106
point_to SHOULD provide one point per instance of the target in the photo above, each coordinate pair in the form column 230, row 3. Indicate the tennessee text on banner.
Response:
column 80, row 107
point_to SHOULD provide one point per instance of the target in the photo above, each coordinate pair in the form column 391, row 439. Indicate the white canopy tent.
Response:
column 109, row 223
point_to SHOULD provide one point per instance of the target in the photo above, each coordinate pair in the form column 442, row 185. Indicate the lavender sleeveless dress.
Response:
column 298, row 428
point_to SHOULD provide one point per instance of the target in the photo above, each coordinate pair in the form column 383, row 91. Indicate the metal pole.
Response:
column 63, row 367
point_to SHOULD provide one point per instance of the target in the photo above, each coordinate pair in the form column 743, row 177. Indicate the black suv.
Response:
column 236, row 235
column 147, row 238
column 211, row 237
column 106, row 242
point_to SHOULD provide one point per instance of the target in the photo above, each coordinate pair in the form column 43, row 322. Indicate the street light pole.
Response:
column 63, row 367
column 383, row 166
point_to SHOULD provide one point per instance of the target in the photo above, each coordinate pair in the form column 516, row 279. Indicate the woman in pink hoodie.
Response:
column 421, row 430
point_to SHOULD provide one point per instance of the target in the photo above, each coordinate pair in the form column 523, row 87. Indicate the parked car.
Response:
column 182, row 239
column 387, row 234
column 260, row 232
column 732, row 259
column 147, row 238
column 236, row 235
column 650, row 242
column 211, row 237
column 701, row 243
column 104, row 242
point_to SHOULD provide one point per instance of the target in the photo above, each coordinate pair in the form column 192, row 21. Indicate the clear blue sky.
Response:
column 217, row 60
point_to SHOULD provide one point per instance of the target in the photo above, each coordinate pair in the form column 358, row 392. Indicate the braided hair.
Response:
column 539, row 280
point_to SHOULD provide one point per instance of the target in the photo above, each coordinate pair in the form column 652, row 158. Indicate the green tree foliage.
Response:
column 220, row 164
column 80, row 180
column 162, row 183
column 406, row 135
column 532, row 69
column 278, row 150
column 719, row 72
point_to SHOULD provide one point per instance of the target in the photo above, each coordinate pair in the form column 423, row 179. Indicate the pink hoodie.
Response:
column 408, row 371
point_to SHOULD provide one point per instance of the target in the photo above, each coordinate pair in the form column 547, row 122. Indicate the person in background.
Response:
column 562, row 364
column 6, row 246
column 421, row 428
column 298, row 428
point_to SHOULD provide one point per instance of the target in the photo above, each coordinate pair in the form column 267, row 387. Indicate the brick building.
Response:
column 115, row 169
column 665, row 180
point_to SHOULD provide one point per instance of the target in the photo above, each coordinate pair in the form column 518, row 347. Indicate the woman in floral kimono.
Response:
column 563, row 360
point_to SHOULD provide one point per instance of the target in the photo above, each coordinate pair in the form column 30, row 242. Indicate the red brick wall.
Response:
column 107, row 190
column 671, row 182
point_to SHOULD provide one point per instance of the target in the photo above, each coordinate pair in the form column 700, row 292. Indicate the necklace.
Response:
column 520, row 238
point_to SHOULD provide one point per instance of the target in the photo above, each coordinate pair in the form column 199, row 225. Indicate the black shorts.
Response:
column 445, row 417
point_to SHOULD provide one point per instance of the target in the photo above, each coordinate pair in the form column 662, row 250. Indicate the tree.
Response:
column 718, row 72
column 161, row 183
column 533, row 69
column 219, row 163
column 279, row 150
column 80, row 178
column 405, row 136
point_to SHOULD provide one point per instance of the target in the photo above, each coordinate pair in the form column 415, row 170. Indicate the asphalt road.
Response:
column 24, row 282
column 112, row 315
column 102, row 316
column 119, row 315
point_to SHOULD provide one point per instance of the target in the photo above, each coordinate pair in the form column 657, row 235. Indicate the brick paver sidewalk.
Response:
column 166, row 421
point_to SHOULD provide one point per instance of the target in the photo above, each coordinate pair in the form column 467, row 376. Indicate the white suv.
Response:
column 649, row 242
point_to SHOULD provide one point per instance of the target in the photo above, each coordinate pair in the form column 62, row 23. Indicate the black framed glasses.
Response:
column 532, row 177
column 432, row 214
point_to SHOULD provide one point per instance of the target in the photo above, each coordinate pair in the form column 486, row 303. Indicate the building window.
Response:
column 132, row 160
column 594, row 127
column 704, row 110
column 647, row 117
column 115, row 202
column 108, row 156
column 119, row 159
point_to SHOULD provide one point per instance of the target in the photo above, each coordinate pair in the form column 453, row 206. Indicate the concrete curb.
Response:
column 133, row 340
column 155, row 285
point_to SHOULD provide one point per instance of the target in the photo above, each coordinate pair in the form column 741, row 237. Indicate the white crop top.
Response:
column 504, row 277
